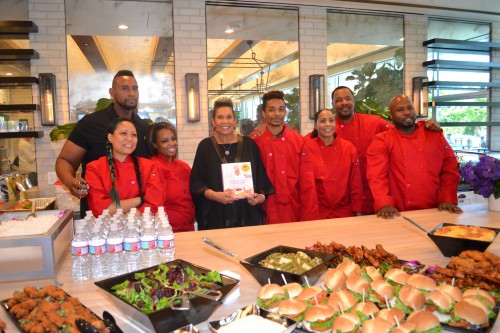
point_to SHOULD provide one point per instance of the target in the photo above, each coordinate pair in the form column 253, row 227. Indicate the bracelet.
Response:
column 264, row 198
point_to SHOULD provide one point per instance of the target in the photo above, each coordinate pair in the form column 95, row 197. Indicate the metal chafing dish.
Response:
column 35, row 256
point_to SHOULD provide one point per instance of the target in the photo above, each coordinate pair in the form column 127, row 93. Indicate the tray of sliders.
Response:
column 353, row 297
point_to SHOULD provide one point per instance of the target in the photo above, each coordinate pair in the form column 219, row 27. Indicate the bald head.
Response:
column 403, row 113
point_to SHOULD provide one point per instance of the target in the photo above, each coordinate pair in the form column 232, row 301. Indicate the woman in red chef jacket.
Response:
column 162, row 141
column 336, row 169
column 120, row 179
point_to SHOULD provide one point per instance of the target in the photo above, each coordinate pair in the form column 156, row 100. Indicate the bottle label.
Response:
column 115, row 248
column 97, row 249
column 131, row 245
column 148, row 244
column 79, row 251
column 165, row 244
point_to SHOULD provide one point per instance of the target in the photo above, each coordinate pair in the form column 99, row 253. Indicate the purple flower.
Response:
column 484, row 176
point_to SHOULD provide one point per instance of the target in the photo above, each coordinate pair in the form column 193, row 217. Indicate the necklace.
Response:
column 226, row 150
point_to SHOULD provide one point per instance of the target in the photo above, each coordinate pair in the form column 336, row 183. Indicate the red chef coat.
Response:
column 409, row 172
column 288, row 165
column 98, row 177
column 178, row 202
column 360, row 132
column 338, row 177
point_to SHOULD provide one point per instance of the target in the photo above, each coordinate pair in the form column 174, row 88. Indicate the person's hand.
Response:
column 433, row 125
column 451, row 207
column 79, row 187
column 387, row 212
column 255, row 199
column 220, row 197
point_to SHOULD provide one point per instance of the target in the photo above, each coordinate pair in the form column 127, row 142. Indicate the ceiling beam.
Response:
column 91, row 51
column 235, row 51
column 163, row 52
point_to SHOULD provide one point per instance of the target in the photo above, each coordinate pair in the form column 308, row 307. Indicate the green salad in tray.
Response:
column 156, row 288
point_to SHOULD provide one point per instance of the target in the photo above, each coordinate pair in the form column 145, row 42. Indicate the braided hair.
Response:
column 113, row 193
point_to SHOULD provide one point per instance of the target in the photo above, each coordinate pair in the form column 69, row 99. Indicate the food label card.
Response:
column 237, row 178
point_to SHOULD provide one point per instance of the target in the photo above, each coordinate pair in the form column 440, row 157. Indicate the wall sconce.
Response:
column 316, row 94
column 47, row 85
column 193, row 96
column 420, row 96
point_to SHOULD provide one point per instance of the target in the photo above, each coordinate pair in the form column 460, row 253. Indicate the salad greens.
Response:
column 154, row 289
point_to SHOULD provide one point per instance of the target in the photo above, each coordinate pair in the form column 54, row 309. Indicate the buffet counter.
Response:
column 397, row 236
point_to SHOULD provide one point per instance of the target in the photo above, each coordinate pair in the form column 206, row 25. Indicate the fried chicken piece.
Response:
column 33, row 292
column 55, row 292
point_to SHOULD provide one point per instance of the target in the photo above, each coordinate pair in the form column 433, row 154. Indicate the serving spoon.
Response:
column 33, row 210
column 224, row 250
column 414, row 223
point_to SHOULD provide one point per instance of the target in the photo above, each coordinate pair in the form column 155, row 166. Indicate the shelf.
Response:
column 465, row 45
column 24, row 134
column 19, row 107
column 16, row 81
column 18, row 54
column 461, row 65
column 460, row 85
column 17, row 29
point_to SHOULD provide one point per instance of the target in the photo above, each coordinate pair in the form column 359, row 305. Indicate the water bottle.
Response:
column 132, row 248
column 80, row 256
column 166, row 246
column 148, row 246
column 115, row 251
column 147, row 214
column 97, row 249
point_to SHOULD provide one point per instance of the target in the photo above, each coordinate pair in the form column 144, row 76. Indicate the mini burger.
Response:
column 453, row 291
column 318, row 318
column 270, row 295
column 440, row 304
column 365, row 309
column 404, row 328
column 376, row 325
column 373, row 273
column 390, row 314
column 409, row 299
column 425, row 322
column 470, row 311
column 292, row 289
column 293, row 309
column 341, row 300
column 396, row 276
column 313, row 295
column 481, row 294
column 346, row 323
column 380, row 291
column 357, row 285
column 348, row 267
column 422, row 282
column 335, row 280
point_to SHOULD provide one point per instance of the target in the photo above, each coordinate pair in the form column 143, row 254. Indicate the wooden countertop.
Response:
column 397, row 236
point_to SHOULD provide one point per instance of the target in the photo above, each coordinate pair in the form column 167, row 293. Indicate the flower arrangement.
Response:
column 484, row 176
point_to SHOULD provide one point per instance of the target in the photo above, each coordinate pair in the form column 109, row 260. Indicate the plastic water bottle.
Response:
column 115, row 251
column 148, row 246
column 80, row 255
column 166, row 246
column 132, row 248
column 97, row 249
column 147, row 214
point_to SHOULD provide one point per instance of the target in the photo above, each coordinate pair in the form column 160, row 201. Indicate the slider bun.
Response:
column 335, row 279
column 383, row 288
column 293, row 289
column 267, row 291
column 405, row 328
column 292, row 307
column 310, row 292
column 389, row 314
column 366, row 308
column 472, row 313
column 490, row 301
column 397, row 275
column 348, row 267
column 357, row 284
column 346, row 322
column 421, row 282
column 424, row 320
column 412, row 297
column 453, row 291
column 318, row 312
column 342, row 298
column 443, row 300
column 373, row 273
column 377, row 325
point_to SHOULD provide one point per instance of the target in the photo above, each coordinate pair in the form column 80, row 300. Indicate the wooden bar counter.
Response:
column 397, row 236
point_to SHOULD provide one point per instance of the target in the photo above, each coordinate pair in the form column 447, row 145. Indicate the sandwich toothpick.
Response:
column 387, row 302
column 371, row 315
column 363, row 295
column 268, row 281
column 316, row 299
column 307, row 281
column 396, row 320
column 283, row 277
column 340, row 307
column 453, row 282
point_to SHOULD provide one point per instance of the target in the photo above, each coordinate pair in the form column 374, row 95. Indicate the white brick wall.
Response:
column 415, row 32
column 495, row 93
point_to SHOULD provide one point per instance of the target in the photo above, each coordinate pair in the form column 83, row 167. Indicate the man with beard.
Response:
column 411, row 167
column 288, row 165
column 87, row 141
column 359, row 129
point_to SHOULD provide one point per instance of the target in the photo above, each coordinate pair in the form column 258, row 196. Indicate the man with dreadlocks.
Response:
column 120, row 179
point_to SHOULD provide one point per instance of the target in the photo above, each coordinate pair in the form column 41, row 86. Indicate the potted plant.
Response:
column 484, row 177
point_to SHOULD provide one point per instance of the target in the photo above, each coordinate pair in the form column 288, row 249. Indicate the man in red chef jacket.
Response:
column 411, row 167
column 288, row 166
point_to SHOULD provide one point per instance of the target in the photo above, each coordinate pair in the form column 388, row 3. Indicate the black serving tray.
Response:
column 167, row 320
